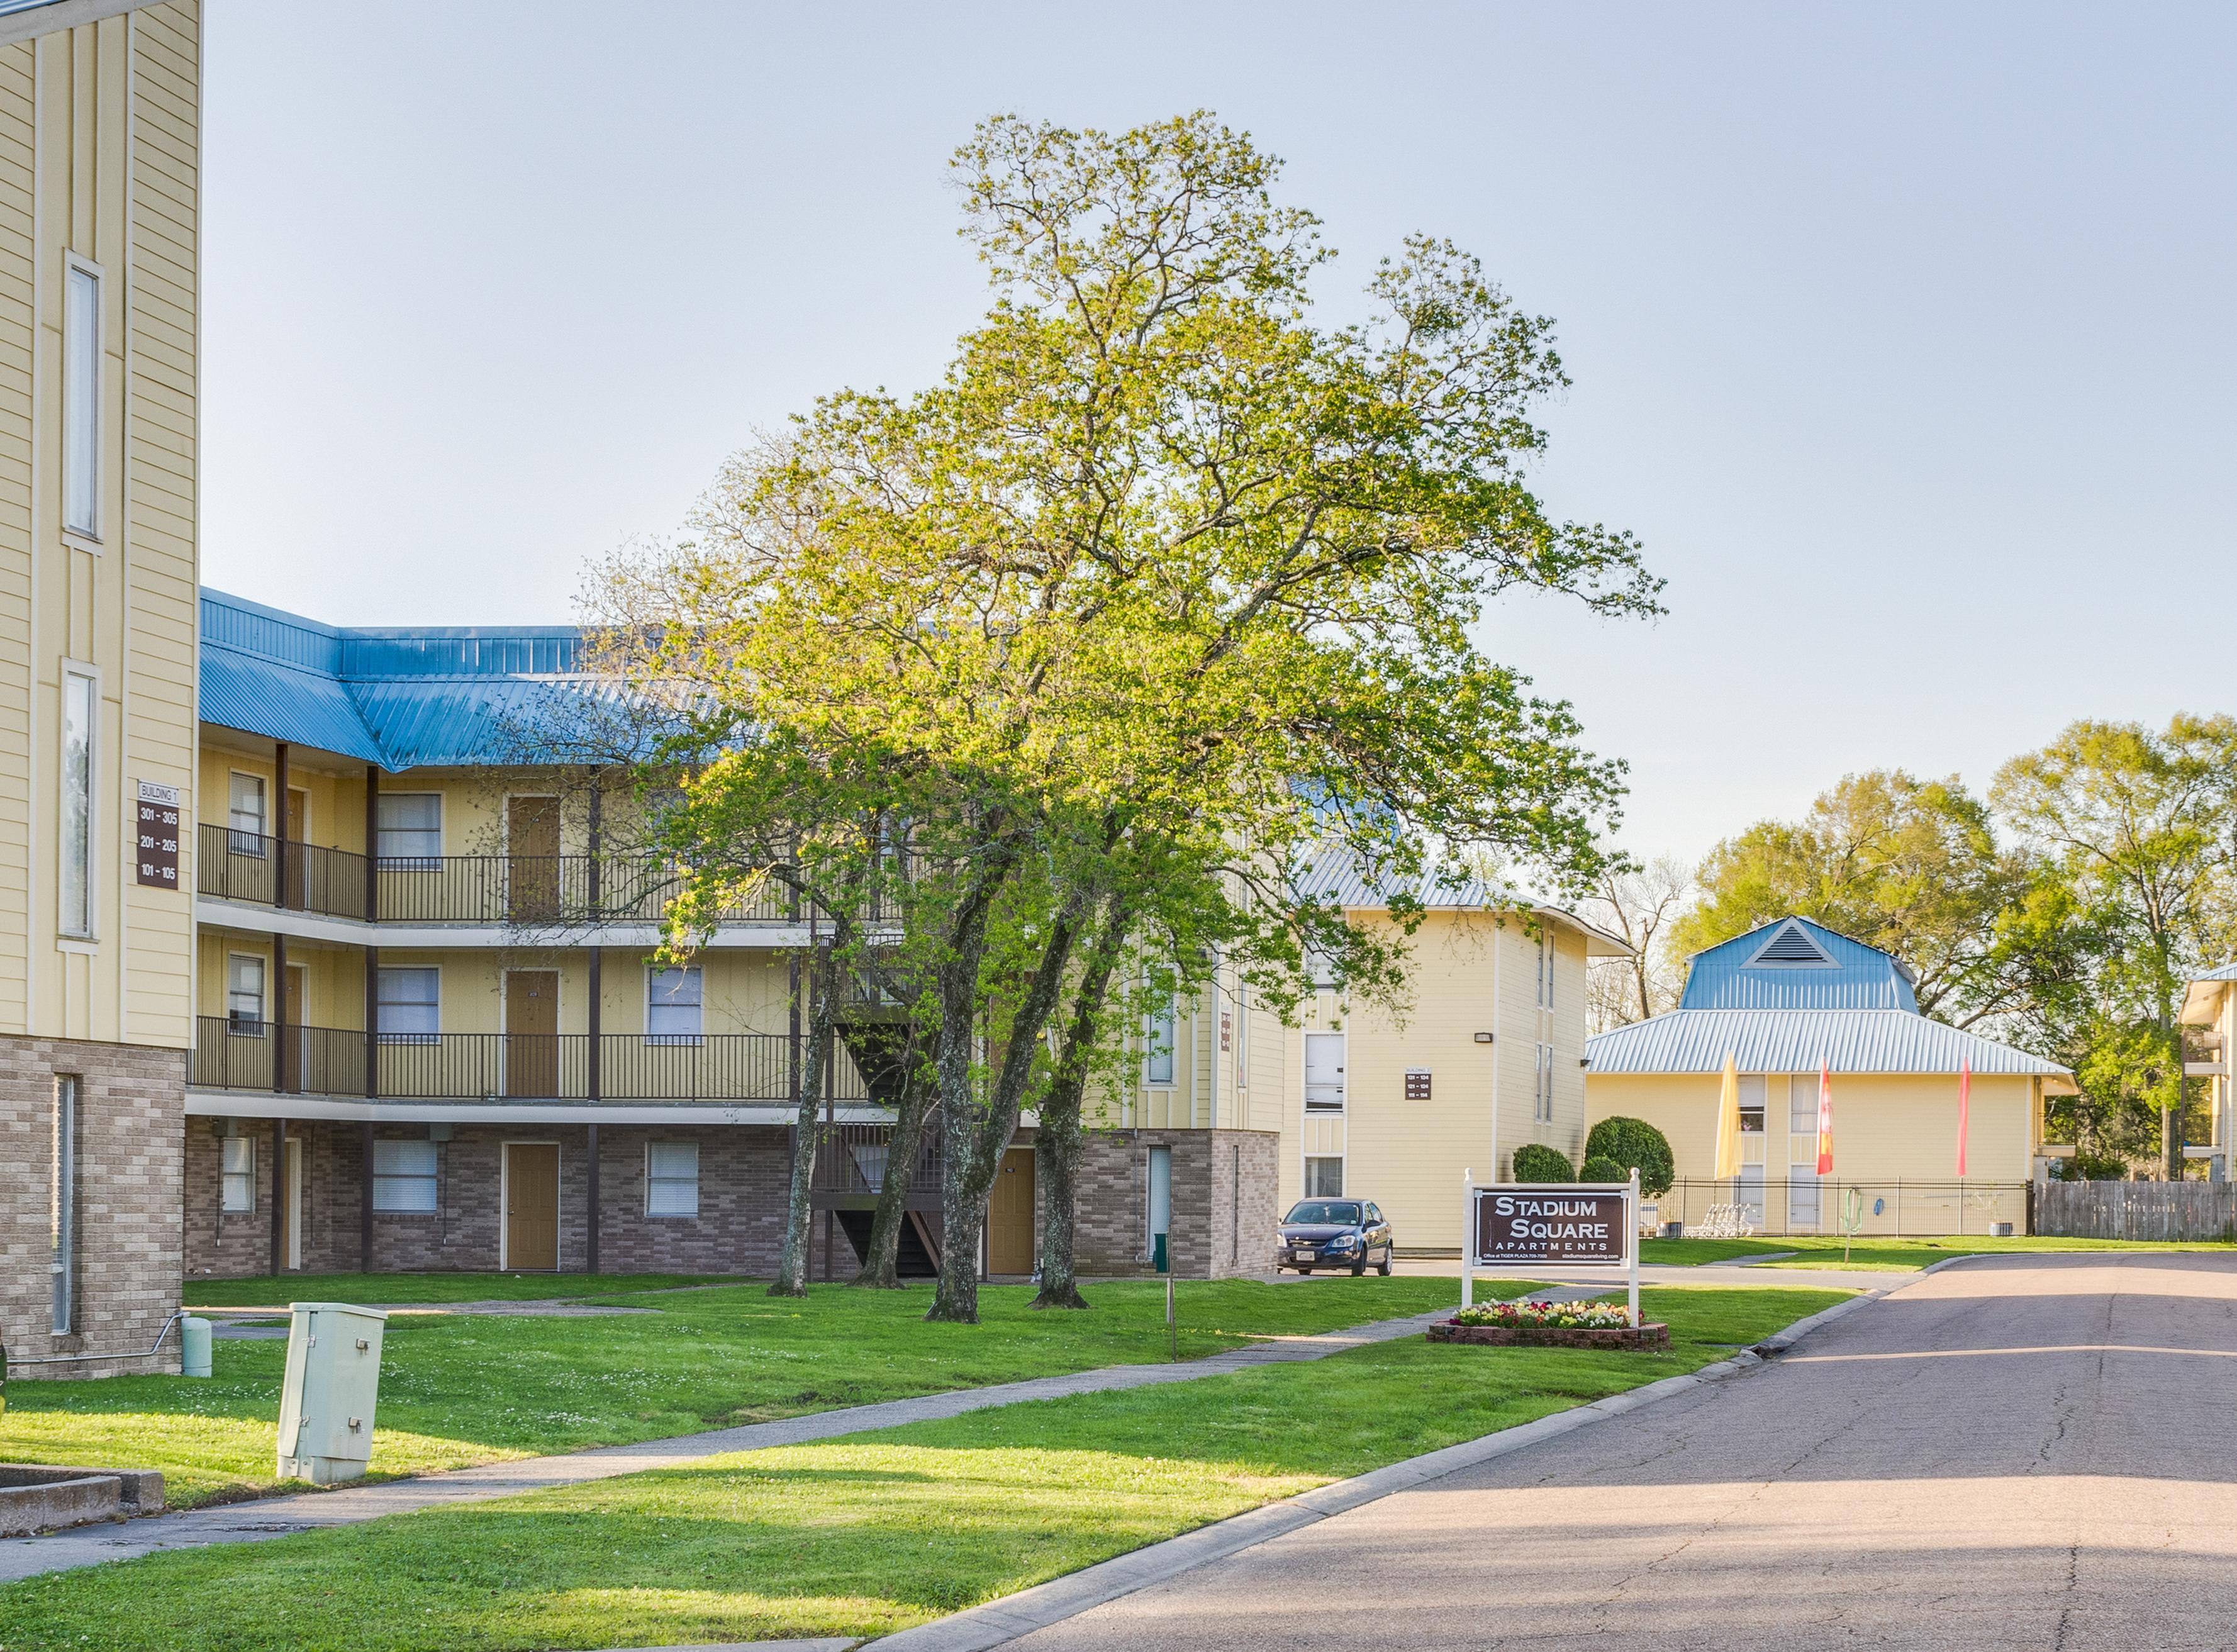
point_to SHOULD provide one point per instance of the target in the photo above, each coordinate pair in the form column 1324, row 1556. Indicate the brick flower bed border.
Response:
column 1651, row 1338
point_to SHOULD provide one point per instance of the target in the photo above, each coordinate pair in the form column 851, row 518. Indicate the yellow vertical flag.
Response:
column 1728, row 1121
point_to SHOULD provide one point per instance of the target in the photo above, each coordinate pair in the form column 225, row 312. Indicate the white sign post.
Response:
column 1525, row 1226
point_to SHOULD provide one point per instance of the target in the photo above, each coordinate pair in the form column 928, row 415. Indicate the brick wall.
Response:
column 744, row 1172
column 1224, row 1189
column 131, row 1103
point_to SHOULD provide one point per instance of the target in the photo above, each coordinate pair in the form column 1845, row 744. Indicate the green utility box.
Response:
column 327, row 1398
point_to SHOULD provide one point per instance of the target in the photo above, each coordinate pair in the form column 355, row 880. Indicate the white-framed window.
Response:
column 674, row 1006
column 671, row 1179
column 237, row 1180
column 1542, row 1092
column 62, row 1226
column 244, row 995
column 409, row 831
column 1802, row 1109
column 408, row 1005
column 404, row 1176
column 1753, row 1090
column 245, row 815
column 82, row 400
column 1546, row 956
column 1324, row 1063
column 81, row 707
column 1158, row 1039
column 1325, row 1178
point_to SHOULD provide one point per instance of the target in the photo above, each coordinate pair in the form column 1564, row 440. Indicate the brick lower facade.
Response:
column 1224, row 1183
column 131, row 1103
column 744, row 1173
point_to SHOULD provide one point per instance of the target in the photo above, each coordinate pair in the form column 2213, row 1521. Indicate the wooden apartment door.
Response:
column 531, row 1028
column 532, row 1205
column 532, row 832
column 1010, row 1217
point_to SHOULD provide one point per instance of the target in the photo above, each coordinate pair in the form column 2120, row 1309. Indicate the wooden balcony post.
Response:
column 276, row 815
column 276, row 1005
column 279, row 1191
column 372, row 1028
column 365, row 1200
column 371, row 844
column 595, row 1087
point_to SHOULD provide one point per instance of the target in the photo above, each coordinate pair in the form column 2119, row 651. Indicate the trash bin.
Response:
column 2000, row 1229
column 194, row 1346
column 326, row 1396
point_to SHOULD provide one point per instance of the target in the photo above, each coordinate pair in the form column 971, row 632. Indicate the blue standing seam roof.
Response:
column 1797, row 1040
column 400, row 697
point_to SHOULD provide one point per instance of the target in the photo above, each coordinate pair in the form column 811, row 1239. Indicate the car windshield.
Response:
column 1323, row 1211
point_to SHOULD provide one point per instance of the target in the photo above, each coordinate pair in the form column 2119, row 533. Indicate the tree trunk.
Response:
column 1057, row 1147
column 976, row 1135
column 822, row 1025
column 881, row 1265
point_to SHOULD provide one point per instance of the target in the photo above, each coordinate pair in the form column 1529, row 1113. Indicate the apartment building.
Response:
column 1486, row 1053
column 100, row 233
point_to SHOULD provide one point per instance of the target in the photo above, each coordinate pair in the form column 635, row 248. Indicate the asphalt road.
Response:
column 2025, row 1451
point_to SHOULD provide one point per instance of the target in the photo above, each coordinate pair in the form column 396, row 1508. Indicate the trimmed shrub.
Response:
column 1634, row 1143
column 1600, row 1167
column 1535, row 1162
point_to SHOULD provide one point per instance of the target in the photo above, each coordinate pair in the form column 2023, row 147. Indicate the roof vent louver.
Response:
column 1790, row 948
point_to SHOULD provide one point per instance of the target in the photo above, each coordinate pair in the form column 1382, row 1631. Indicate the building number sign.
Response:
column 157, row 851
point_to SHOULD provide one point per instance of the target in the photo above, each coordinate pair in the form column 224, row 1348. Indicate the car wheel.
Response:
column 1385, row 1269
column 1359, row 1267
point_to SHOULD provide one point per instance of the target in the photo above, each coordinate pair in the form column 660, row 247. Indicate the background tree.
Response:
column 2140, row 825
column 1641, row 904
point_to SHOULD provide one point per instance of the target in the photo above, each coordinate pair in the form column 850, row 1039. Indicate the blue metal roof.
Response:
column 1797, row 1040
column 403, row 699
column 1796, row 964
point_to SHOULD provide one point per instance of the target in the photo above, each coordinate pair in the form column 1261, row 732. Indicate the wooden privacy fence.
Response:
column 2137, row 1210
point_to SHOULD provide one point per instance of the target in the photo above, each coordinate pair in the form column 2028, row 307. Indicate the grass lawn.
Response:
column 476, row 1388
column 378, row 1290
column 1818, row 1251
column 861, row 1536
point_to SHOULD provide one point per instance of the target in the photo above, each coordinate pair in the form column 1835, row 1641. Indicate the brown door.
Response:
column 1010, row 1219
column 299, row 859
column 531, row 1032
column 532, row 1205
column 532, row 869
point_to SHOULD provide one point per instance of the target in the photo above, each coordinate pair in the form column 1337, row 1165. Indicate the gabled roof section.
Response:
column 1334, row 875
column 1796, row 964
column 1796, row 1041
column 399, row 698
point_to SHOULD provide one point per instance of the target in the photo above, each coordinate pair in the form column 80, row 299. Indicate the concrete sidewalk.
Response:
column 281, row 1516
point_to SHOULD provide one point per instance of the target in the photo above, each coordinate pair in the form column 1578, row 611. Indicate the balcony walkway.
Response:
column 253, row 1522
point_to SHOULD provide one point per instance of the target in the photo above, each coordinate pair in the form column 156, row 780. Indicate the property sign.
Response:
column 156, row 850
column 1574, row 1227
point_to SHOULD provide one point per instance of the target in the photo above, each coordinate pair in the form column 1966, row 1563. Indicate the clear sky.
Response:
column 1902, row 334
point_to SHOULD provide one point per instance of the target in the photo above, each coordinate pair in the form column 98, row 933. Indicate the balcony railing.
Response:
column 737, row 1068
column 852, row 1162
column 521, row 889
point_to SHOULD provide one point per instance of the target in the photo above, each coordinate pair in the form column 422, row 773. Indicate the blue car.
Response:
column 1334, row 1234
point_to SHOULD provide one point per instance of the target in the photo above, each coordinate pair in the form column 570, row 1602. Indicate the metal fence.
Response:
column 852, row 1161
column 750, row 1068
column 1807, row 1205
column 2137, row 1210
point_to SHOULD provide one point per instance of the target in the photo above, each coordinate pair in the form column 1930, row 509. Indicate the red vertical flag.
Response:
column 1964, row 1109
column 1824, row 1121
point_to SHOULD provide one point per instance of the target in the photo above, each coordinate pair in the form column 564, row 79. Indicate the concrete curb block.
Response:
column 1000, row 1622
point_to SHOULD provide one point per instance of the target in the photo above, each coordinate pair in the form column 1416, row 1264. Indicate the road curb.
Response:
column 1000, row 1622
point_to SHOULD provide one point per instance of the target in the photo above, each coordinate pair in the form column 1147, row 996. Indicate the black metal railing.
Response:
column 853, row 1159
column 1805, row 1204
column 748, row 1067
column 521, row 889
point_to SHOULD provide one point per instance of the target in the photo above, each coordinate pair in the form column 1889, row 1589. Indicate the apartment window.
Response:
column 79, row 702
column 404, row 1176
column 1752, row 1094
column 671, row 1179
column 1802, row 1109
column 1158, row 1057
column 407, row 1007
column 244, row 995
column 245, row 814
column 62, row 1226
column 82, row 402
column 410, row 831
column 674, row 1006
column 1323, row 1179
column 1324, row 1058
column 1543, row 1090
column 1545, row 970
column 237, row 1185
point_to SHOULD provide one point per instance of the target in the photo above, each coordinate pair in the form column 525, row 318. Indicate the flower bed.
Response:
column 1550, row 1325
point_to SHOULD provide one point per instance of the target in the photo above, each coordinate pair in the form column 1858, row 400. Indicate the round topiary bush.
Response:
column 1537, row 1162
column 1600, row 1167
column 1634, row 1143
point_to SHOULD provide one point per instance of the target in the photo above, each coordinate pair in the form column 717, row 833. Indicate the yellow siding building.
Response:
column 1780, row 1004
column 100, row 233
